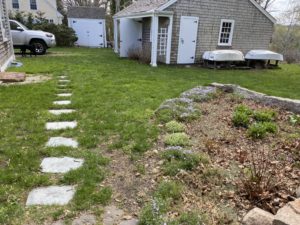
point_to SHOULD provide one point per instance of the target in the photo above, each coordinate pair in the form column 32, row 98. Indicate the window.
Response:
column 33, row 5
column 3, row 28
column 51, row 21
column 13, row 25
column 162, row 41
column 226, row 32
column 15, row 4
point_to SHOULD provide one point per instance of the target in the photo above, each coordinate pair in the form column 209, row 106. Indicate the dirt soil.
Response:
column 219, row 189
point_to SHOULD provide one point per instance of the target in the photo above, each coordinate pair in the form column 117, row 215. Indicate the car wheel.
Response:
column 40, row 47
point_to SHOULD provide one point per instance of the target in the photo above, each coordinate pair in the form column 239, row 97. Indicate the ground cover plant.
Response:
column 116, row 101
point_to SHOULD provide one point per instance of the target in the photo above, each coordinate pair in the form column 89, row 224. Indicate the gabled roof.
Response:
column 141, row 6
column 53, row 7
column 86, row 12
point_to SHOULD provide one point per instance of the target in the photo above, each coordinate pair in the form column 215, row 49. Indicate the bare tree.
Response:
column 265, row 3
column 91, row 3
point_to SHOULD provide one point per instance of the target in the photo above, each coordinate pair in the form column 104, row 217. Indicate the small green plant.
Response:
column 270, row 127
column 152, row 213
column 179, row 160
column 244, row 109
column 177, row 139
column 264, row 116
column 174, row 127
column 190, row 219
column 294, row 119
column 169, row 190
column 257, row 131
column 241, row 119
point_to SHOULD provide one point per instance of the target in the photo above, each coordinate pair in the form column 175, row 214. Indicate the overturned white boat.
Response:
column 223, row 56
column 263, row 55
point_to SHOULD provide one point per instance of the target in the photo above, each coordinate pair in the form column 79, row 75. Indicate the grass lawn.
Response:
column 115, row 99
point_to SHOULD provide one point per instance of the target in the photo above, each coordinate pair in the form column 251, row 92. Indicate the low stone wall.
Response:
column 285, row 103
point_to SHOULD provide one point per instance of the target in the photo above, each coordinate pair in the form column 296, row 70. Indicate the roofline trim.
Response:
column 145, row 14
column 166, row 5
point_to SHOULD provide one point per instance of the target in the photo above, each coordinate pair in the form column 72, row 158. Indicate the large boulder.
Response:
column 289, row 214
column 258, row 216
column 7, row 77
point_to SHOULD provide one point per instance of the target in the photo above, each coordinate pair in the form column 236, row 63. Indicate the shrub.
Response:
column 264, row 116
column 179, row 160
column 270, row 127
column 257, row 131
column 241, row 119
column 174, row 126
column 169, row 190
column 65, row 36
column 177, row 139
column 243, row 109
column 295, row 119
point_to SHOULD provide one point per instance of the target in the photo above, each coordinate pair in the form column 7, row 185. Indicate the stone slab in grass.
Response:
column 62, row 77
column 7, row 77
column 62, row 142
column 62, row 102
column 61, row 111
column 64, row 95
column 64, row 81
column 60, row 165
column 52, row 195
column 61, row 125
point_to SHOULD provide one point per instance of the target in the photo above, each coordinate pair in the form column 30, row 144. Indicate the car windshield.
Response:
column 23, row 26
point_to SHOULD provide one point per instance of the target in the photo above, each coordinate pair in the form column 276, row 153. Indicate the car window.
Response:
column 13, row 25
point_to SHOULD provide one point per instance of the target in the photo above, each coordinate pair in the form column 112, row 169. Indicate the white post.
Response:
column 116, row 45
column 168, row 55
column 154, row 28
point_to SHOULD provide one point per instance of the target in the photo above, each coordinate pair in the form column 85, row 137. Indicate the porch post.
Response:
column 154, row 29
column 116, row 35
column 168, row 53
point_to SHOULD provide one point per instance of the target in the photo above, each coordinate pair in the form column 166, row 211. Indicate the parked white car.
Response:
column 22, row 36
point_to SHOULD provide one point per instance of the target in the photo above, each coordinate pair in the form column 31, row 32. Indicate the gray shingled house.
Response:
column 6, row 46
column 180, row 31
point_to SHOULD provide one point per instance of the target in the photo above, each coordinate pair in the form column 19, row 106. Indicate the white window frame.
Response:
column 231, row 32
column 162, row 41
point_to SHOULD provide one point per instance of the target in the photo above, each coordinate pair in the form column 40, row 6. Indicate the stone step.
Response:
column 60, row 165
column 61, row 111
column 52, row 195
column 64, row 81
column 62, row 102
column 61, row 125
column 64, row 95
column 62, row 76
column 62, row 142
column 62, row 85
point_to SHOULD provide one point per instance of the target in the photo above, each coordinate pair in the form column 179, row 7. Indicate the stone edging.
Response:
column 292, row 105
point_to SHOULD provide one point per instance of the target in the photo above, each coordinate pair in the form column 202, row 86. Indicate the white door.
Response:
column 187, row 39
column 130, row 35
column 90, row 33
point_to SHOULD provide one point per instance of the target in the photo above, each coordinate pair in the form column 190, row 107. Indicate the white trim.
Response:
column 231, row 32
column 166, row 5
column 7, row 63
column 258, row 6
column 116, row 36
column 168, row 56
column 145, row 14
column 154, row 28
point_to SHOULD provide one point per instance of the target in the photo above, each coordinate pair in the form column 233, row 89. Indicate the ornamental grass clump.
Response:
column 177, row 139
column 242, row 116
column 264, row 116
column 259, row 130
column 174, row 127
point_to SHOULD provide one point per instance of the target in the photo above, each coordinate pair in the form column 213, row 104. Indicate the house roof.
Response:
column 142, row 6
column 86, row 12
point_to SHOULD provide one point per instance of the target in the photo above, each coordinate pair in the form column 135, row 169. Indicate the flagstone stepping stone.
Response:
column 60, row 165
column 62, row 142
column 61, row 111
column 64, row 95
column 112, row 215
column 52, row 195
column 130, row 222
column 64, row 81
column 62, row 102
column 61, row 125
column 85, row 219
column 62, row 77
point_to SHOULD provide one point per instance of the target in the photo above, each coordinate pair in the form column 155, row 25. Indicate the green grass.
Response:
column 116, row 99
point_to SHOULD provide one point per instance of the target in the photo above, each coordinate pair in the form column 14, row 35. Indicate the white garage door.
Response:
column 90, row 33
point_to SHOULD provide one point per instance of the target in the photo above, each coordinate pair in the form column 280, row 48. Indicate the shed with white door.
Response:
column 180, row 31
column 89, row 26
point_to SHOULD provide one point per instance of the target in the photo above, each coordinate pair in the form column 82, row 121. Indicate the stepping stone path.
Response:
column 61, row 125
column 61, row 111
column 57, row 195
column 60, row 165
column 53, row 195
column 62, row 142
column 114, row 216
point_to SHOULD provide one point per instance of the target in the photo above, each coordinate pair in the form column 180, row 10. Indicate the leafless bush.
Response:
column 142, row 55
